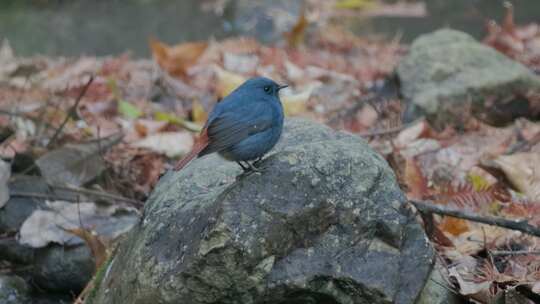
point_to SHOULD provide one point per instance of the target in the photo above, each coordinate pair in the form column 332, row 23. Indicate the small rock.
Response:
column 11, row 250
column 448, row 76
column 13, row 290
column 63, row 269
column 19, row 207
column 266, row 20
column 437, row 290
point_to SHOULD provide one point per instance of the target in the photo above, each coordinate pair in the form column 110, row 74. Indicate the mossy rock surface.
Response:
column 325, row 223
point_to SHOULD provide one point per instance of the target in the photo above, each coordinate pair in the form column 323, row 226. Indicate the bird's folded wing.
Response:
column 231, row 127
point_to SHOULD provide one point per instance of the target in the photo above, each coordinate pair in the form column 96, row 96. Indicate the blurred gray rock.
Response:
column 447, row 75
column 437, row 290
column 18, row 208
column 11, row 250
column 13, row 290
column 63, row 269
column 324, row 223
column 266, row 20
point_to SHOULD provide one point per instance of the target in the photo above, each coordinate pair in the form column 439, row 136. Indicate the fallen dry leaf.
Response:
column 417, row 185
column 294, row 104
column 227, row 82
column 172, row 144
column 178, row 58
column 462, row 272
column 410, row 134
column 145, row 127
column 198, row 113
column 523, row 171
column 92, row 240
column 295, row 36
column 453, row 225
column 76, row 164
column 49, row 225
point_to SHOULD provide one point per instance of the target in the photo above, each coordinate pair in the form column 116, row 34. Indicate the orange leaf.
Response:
column 198, row 114
column 98, row 248
column 296, row 35
column 178, row 58
column 453, row 225
column 416, row 181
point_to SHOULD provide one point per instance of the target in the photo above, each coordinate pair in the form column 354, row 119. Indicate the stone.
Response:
column 63, row 269
column 19, row 207
column 324, row 223
column 13, row 290
column 448, row 76
column 437, row 290
column 12, row 251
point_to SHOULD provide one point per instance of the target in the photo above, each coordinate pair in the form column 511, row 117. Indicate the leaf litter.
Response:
column 139, row 115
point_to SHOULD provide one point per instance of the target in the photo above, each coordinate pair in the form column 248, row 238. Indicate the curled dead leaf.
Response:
column 417, row 183
column 522, row 170
column 227, row 82
column 93, row 241
column 172, row 144
column 178, row 58
column 296, row 35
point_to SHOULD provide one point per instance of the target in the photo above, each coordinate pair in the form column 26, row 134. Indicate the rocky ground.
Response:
column 448, row 121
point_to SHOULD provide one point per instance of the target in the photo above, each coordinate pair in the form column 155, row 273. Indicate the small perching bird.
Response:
column 243, row 126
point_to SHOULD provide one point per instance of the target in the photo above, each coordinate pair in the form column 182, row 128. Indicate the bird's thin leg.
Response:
column 257, row 161
column 253, row 168
column 243, row 168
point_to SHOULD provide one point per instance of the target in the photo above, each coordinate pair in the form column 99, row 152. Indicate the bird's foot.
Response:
column 250, row 168
column 257, row 162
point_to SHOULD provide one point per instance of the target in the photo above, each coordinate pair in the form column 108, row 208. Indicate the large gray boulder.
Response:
column 447, row 75
column 325, row 223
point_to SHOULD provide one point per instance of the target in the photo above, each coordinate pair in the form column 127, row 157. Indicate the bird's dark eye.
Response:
column 267, row 89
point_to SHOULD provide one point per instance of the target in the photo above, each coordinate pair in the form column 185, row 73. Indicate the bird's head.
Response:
column 262, row 86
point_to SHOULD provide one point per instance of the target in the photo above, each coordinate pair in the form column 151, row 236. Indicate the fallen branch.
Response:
column 96, row 193
column 518, row 225
column 510, row 252
column 385, row 131
column 92, row 193
column 72, row 111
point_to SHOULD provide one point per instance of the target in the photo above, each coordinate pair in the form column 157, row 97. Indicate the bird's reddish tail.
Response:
column 200, row 144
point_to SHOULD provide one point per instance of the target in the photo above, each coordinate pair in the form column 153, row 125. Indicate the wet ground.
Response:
column 101, row 27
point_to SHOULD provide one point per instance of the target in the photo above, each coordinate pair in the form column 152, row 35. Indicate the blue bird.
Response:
column 244, row 126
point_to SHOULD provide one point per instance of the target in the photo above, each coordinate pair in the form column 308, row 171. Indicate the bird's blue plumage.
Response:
column 247, row 123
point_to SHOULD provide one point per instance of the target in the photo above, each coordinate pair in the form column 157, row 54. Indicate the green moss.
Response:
column 97, row 279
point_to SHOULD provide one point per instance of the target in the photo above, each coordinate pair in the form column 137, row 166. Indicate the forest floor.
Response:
column 109, row 127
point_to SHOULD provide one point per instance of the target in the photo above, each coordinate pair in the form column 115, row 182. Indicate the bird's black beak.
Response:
column 283, row 86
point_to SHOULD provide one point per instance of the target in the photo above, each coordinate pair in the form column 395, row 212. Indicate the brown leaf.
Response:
column 227, row 82
column 178, row 58
column 92, row 240
column 523, row 171
column 453, row 225
column 198, row 113
column 296, row 35
column 416, row 181
column 410, row 134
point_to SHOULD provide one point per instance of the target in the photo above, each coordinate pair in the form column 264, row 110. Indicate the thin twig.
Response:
column 76, row 190
column 96, row 193
column 37, row 195
column 385, row 131
column 519, row 225
column 510, row 252
column 71, row 112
